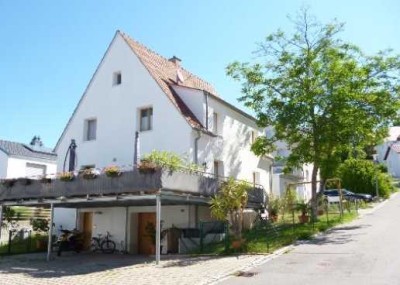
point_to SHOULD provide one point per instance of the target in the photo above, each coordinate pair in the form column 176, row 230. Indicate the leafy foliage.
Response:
column 230, row 202
column 360, row 176
column 322, row 96
column 170, row 160
column 40, row 225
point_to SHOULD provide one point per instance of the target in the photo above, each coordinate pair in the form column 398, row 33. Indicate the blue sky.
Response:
column 50, row 49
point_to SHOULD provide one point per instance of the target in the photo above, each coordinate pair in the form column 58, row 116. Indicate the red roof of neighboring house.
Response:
column 164, row 72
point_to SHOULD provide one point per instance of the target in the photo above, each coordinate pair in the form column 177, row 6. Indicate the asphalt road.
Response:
column 366, row 251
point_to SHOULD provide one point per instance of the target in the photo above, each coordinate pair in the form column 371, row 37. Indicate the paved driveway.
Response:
column 366, row 251
column 98, row 269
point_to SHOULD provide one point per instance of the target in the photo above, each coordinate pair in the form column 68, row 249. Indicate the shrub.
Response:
column 360, row 176
column 169, row 160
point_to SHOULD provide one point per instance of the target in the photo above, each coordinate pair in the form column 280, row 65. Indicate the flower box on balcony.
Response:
column 113, row 171
column 89, row 174
column 66, row 176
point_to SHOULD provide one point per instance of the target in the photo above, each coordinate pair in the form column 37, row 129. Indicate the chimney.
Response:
column 175, row 60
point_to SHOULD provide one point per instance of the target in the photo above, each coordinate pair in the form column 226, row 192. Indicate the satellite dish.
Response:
column 179, row 76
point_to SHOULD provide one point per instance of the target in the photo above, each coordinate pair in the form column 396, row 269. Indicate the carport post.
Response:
column 50, row 231
column 158, row 228
column 1, row 219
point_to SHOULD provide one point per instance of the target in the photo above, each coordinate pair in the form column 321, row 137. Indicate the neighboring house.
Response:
column 388, row 153
column 299, row 178
column 34, row 161
column 136, row 90
column 26, row 160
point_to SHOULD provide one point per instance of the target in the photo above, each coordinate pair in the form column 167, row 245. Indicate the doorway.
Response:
column 146, row 233
column 86, row 228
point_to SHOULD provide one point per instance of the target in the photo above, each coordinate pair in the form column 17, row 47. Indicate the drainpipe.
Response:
column 206, row 100
column 196, row 147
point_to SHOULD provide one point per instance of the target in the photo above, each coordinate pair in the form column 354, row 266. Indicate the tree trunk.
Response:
column 314, row 202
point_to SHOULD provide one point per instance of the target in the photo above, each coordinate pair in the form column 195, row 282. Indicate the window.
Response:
column 216, row 168
column 146, row 119
column 35, row 171
column 117, row 78
column 90, row 129
column 215, row 123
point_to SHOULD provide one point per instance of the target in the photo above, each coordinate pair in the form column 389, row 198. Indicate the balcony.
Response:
column 130, row 183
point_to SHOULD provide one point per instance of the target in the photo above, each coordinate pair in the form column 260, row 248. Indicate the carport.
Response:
column 132, row 188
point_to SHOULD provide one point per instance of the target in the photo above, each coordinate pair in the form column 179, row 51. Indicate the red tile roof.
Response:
column 165, row 74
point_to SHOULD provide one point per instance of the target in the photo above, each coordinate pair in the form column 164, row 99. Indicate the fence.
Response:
column 23, row 241
column 271, row 232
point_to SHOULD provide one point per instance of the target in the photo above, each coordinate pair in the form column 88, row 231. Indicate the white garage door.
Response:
column 34, row 170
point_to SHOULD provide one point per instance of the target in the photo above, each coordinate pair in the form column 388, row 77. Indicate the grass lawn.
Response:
column 270, row 237
column 19, row 246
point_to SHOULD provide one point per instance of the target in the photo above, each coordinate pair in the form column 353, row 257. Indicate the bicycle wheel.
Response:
column 108, row 246
column 93, row 246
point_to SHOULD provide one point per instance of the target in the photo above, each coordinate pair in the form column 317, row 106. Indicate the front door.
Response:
column 87, row 225
column 146, row 233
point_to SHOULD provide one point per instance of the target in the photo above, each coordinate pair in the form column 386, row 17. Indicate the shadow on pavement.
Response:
column 338, row 235
column 70, row 264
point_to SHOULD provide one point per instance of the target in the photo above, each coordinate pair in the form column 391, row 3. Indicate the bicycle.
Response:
column 104, row 244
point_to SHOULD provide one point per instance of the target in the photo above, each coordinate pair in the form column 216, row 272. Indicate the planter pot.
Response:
column 304, row 219
column 237, row 244
column 89, row 176
column 113, row 174
column 41, row 244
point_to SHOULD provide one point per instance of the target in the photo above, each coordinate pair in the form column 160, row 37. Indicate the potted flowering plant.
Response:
column 147, row 166
column 303, row 208
column 66, row 176
column 88, row 173
column 112, row 171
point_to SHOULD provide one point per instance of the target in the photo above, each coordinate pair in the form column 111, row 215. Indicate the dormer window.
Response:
column 117, row 78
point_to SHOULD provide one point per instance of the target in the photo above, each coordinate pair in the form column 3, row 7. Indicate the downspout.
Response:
column 196, row 147
column 206, row 101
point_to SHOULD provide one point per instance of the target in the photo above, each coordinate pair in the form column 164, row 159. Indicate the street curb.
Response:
column 288, row 248
column 252, row 265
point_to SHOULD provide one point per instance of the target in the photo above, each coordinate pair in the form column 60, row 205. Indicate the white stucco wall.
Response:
column 116, row 109
column 64, row 217
column 114, row 219
column 3, row 164
column 194, row 99
column 17, row 166
column 232, row 146
column 393, row 160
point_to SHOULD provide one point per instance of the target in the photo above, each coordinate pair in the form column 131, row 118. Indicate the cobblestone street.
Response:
column 100, row 269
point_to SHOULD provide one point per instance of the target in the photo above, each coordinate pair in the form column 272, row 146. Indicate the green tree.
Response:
column 360, row 176
column 322, row 96
column 231, row 201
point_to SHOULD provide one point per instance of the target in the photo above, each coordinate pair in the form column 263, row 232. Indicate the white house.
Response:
column 26, row 160
column 298, row 179
column 34, row 161
column 388, row 153
column 136, row 89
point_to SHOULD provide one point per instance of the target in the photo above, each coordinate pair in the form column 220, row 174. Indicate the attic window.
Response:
column 117, row 78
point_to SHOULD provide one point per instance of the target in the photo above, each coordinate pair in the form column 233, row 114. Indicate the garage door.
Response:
column 34, row 170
